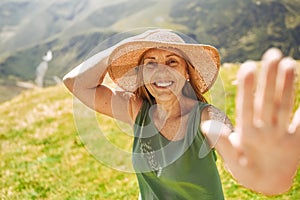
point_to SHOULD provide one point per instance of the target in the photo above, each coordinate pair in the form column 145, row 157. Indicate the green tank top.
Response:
column 174, row 169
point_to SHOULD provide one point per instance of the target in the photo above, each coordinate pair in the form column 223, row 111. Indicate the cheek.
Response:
column 179, row 74
column 147, row 74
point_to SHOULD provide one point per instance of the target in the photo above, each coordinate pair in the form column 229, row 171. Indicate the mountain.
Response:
column 26, row 23
column 243, row 29
column 75, row 29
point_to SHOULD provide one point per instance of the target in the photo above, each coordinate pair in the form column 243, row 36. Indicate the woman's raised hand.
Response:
column 264, row 150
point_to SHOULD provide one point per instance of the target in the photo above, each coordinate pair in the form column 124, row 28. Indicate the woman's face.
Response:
column 164, row 73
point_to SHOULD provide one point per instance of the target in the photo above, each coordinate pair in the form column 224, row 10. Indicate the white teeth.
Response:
column 163, row 84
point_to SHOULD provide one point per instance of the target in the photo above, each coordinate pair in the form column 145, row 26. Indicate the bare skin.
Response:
column 254, row 153
column 263, row 152
column 164, row 75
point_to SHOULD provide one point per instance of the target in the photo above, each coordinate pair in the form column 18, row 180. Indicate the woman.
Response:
column 163, row 80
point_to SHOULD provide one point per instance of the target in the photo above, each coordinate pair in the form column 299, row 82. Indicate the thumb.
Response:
column 221, row 137
column 295, row 124
column 215, row 131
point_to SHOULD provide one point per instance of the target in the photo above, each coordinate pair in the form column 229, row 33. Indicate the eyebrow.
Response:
column 149, row 58
column 169, row 55
column 173, row 54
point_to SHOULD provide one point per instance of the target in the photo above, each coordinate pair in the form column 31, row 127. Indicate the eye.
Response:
column 172, row 62
column 150, row 64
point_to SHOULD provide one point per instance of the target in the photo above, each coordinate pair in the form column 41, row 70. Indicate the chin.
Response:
column 166, row 97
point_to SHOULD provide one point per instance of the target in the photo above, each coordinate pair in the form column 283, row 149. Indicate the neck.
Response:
column 169, row 109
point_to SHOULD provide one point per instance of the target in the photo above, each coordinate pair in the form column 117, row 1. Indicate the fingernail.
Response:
column 272, row 54
column 288, row 63
column 249, row 67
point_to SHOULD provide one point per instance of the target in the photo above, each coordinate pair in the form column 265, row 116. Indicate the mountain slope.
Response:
column 241, row 30
column 40, row 20
column 43, row 157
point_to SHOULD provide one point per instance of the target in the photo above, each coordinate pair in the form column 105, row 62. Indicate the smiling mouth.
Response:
column 163, row 84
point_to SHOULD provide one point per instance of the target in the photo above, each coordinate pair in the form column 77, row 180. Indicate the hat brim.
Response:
column 205, row 61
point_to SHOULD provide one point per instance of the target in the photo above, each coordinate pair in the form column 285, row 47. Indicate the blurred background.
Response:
column 241, row 30
column 42, row 156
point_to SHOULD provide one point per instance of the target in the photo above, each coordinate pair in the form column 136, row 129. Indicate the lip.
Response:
column 163, row 84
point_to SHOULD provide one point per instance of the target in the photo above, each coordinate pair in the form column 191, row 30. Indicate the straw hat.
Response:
column 123, row 60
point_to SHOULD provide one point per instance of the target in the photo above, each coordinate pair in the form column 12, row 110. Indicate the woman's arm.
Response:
column 86, row 83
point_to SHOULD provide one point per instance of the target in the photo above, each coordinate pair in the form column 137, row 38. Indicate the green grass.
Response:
column 43, row 157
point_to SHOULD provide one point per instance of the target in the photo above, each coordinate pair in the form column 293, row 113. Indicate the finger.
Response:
column 284, row 94
column 295, row 128
column 245, row 95
column 227, row 143
column 295, row 125
column 218, row 134
column 266, row 86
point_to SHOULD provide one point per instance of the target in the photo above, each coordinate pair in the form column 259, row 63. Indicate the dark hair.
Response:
column 189, row 88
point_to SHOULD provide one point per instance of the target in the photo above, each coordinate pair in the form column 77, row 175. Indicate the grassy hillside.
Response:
column 67, row 53
column 42, row 155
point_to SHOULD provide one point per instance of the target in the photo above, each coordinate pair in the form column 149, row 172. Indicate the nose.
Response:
column 161, row 66
column 163, row 69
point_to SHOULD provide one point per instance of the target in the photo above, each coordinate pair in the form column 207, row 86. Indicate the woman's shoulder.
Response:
column 211, row 112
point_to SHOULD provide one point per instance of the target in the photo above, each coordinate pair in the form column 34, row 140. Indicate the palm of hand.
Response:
column 264, row 160
column 263, row 153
